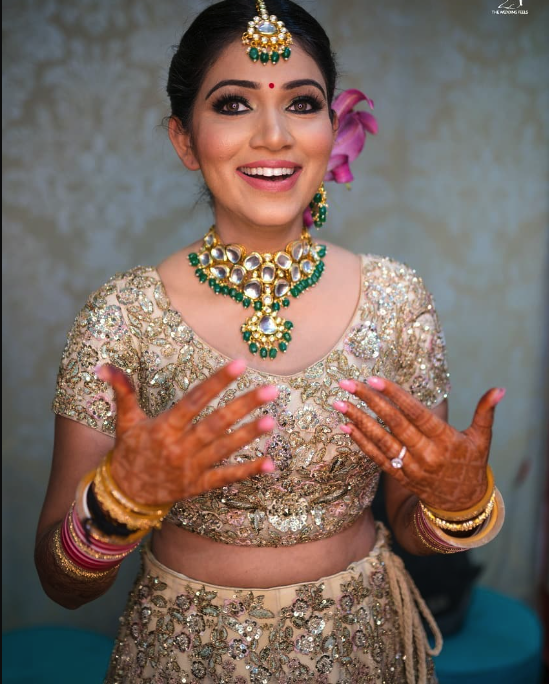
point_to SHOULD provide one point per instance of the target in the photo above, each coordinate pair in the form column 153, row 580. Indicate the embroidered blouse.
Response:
column 322, row 481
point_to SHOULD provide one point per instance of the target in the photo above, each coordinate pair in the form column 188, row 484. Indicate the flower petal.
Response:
column 369, row 121
column 346, row 100
column 335, row 160
column 350, row 138
column 342, row 174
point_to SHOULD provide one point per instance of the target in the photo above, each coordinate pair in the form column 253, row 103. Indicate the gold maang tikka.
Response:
column 266, row 38
column 265, row 281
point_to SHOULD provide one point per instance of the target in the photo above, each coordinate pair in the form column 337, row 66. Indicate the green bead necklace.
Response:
column 262, row 281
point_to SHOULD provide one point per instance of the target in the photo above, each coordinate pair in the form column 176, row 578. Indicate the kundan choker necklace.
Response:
column 265, row 281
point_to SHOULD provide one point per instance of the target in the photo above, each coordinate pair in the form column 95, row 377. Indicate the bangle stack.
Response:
column 119, row 507
column 434, row 527
column 102, row 527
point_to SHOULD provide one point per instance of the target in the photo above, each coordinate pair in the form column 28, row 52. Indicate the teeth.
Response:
column 266, row 171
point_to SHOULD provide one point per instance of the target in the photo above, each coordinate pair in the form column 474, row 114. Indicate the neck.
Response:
column 257, row 238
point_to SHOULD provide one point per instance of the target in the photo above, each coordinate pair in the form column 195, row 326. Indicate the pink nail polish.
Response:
column 376, row 383
column 347, row 384
column 345, row 428
column 501, row 393
column 340, row 406
column 266, row 423
column 100, row 371
column 268, row 393
column 268, row 467
column 236, row 367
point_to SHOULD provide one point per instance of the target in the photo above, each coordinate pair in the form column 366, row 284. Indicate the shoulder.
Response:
column 387, row 266
column 123, row 290
column 112, row 311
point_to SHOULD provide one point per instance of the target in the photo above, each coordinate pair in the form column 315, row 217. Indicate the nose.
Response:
column 272, row 131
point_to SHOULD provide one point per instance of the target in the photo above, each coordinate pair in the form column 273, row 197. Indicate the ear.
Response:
column 335, row 124
column 181, row 141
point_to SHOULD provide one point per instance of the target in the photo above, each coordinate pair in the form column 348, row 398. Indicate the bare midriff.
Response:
column 211, row 562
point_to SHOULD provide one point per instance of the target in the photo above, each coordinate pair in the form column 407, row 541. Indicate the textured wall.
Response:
column 455, row 184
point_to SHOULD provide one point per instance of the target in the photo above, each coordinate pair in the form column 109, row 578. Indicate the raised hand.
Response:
column 444, row 467
column 168, row 458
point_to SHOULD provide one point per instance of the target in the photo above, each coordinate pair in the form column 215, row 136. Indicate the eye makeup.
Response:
column 228, row 104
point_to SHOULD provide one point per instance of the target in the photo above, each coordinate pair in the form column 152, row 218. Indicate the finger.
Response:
column 372, row 451
column 214, row 425
column 483, row 419
column 220, row 477
column 224, row 447
column 201, row 395
column 371, row 429
column 392, row 416
column 127, row 409
column 377, row 389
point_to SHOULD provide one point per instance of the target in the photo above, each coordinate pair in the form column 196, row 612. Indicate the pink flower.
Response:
column 351, row 136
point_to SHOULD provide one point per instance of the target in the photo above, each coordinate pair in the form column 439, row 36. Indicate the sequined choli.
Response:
column 322, row 481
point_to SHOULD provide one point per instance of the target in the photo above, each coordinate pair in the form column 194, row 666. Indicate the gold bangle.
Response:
column 119, row 513
column 472, row 511
column 462, row 526
column 90, row 525
column 70, row 568
column 482, row 536
column 123, row 500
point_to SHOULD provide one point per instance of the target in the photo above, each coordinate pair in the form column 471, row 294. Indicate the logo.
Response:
column 510, row 7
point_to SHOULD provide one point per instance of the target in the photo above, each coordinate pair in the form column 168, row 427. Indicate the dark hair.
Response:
column 221, row 24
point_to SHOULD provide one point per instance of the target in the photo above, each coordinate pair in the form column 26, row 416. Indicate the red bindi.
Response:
column 271, row 85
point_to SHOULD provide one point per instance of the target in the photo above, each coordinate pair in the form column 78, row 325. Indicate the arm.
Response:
column 78, row 449
column 155, row 462
column 401, row 503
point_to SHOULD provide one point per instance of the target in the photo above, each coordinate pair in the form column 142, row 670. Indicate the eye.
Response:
column 306, row 104
column 231, row 104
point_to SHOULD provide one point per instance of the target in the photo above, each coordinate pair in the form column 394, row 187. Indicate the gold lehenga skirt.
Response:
column 358, row 626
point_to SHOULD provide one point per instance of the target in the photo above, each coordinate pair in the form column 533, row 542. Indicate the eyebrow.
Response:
column 253, row 85
column 303, row 82
column 234, row 82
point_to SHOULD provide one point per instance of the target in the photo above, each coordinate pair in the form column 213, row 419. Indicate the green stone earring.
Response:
column 267, row 39
column 319, row 207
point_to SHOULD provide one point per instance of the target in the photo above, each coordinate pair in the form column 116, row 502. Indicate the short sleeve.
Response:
column 422, row 367
column 100, row 334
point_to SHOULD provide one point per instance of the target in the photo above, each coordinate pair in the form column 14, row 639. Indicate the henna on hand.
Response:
column 444, row 467
column 161, row 460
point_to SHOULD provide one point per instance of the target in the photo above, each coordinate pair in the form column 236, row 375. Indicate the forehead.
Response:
column 234, row 63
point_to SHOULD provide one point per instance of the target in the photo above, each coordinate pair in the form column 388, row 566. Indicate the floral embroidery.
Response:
column 322, row 481
column 341, row 629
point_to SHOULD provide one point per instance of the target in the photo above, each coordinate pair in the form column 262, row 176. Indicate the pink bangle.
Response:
column 85, row 551
column 96, row 544
column 77, row 556
column 429, row 537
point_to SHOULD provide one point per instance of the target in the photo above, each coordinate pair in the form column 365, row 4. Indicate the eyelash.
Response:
column 315, row 103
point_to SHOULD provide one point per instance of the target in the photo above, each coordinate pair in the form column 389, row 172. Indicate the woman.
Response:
column 268, row 566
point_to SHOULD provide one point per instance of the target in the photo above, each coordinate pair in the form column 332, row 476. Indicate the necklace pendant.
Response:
column 263, row 281
column 267, row 333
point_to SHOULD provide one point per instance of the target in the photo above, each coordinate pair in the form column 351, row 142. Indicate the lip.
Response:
column 271, row 185
column 270, row 164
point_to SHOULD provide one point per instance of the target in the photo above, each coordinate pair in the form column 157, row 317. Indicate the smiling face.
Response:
column 262, row 137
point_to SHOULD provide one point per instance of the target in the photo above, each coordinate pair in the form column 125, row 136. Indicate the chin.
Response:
column 275, row 217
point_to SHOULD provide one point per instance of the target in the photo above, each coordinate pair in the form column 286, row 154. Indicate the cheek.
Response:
column 319, row 141
column 214, row 146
